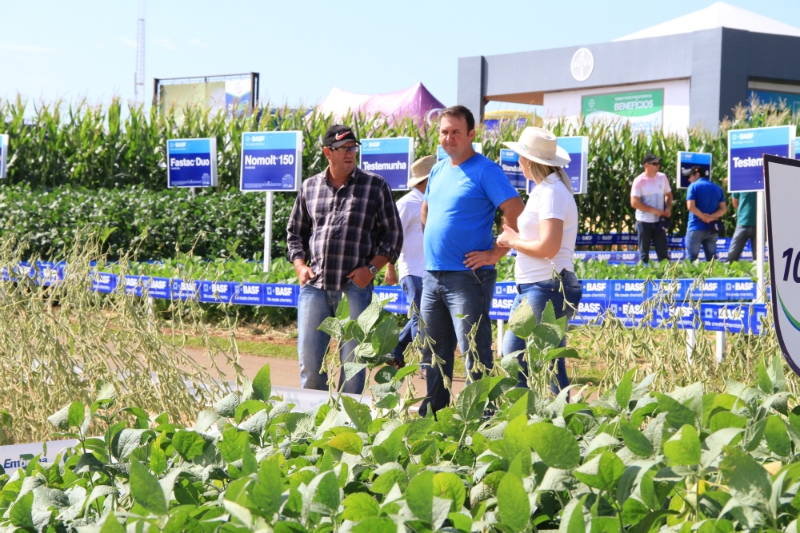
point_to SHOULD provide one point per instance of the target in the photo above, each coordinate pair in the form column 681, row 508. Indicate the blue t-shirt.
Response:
column 461, row 205
column 707, row 197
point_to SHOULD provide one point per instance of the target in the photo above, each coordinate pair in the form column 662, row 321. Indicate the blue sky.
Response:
column 86, row 48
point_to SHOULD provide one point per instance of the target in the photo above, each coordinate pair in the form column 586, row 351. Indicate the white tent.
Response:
column 718, row 15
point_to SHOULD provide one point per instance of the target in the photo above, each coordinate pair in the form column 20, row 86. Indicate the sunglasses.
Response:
column 345, row 149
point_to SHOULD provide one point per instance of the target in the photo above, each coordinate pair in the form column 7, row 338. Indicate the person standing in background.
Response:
column 411, row 263
column 745, row 205
column 706, row 204
column 651, row 196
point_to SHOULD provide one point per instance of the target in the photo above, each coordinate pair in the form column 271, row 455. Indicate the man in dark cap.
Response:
column 343, row 229
column 651, row 196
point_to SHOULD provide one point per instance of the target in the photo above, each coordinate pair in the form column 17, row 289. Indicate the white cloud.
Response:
column 130, row 43
column 194, row 41
column 163, row 43
column 26, row 48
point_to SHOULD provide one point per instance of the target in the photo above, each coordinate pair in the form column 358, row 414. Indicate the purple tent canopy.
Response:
column 415, row 102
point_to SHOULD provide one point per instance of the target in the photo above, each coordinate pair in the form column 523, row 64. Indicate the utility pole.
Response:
column 138, row 76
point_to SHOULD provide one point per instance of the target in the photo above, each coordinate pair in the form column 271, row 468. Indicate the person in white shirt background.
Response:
column 411, row 263
column 545, row 244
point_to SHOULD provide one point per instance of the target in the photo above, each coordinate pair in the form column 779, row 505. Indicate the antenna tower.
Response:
column 138, row 76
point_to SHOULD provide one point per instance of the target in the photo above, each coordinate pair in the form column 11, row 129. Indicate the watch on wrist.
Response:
column 372, row 269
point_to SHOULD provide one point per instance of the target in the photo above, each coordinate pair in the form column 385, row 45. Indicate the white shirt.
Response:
column 651, row 192
column 412, row 258
column 549, row 199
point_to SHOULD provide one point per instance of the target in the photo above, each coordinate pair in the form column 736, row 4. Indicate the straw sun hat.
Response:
column 540, row 146
column 420, row 170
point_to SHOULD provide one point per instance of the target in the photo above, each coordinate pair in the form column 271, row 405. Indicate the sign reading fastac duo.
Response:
column 782, row 177
column 577, row 169
column 192, row 162
column 389, row 158
column 3, row 155
column 687, row 161
column 271, row 161
column 746, row 149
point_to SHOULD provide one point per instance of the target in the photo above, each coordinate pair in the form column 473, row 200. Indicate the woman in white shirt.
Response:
column 545, row 244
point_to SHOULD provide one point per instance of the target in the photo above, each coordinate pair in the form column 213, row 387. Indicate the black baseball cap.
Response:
column 651, row 158
column 338, row 135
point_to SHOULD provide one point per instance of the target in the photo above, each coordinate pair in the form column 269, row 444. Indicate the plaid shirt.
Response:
column 336, row 231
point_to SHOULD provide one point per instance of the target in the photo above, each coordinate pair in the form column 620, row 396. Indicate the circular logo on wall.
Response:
column 582, row 64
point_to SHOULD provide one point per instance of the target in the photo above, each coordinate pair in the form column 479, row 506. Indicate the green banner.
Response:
column 643, row 109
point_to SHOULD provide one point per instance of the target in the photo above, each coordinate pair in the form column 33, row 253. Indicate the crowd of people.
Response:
column 439, row 243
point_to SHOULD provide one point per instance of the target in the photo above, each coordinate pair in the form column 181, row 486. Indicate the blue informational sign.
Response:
column 3, row 155
column 192, row 162
column 271, row 161
column 103, row 282
column 596, row 290
column 185, row 290
column 733, row 318
column 441, row 154
column 389, row 158
column 509, row 162
column 687, row 161
column 281, row 295
column 746, row 149
column 577, row 169
column 216, row 291
column 395, row 298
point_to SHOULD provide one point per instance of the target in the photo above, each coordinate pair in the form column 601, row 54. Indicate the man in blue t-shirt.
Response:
column 706, row 204
column 464, row 192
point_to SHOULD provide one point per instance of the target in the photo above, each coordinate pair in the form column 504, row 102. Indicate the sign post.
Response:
column 686, row 162
column 192, row 162
column 3, row 155
column 746, row 149
column 782, row 177
column 578, row 167
column 390, row 158
column 271, row 161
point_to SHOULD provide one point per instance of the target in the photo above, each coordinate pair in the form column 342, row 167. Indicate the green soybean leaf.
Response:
column 472, row 400
column 262, row 384
column 556, row 446
column 360, row 506
column 419, row 496
column 384, row 483
column 111, row 525
column 326, row 488
column 267, row 492
column 375, row 525
column 625, row 389
column 512, row 503
column 523, row 321
column 385, row 337
column 188, row 444
column 146, row 490
column 358, row 412
column 232, row 444
column 777, row 437
column 684, row 447
column 764, row 382
column 347, row 442
column 602, row 471
column 369, row 317
column 635, row 439
column 745, row 476
column 77, row 412
column 405, row 371
column 678, row 414
column 450, row 486
column 21, row 512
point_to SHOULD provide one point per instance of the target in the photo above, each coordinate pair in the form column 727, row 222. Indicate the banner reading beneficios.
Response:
column 782, row 177
column 389, row 158
column 746, row 149
column 192, row 162
column 643, row 110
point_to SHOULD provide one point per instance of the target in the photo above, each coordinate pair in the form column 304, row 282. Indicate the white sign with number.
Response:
column 782, row 178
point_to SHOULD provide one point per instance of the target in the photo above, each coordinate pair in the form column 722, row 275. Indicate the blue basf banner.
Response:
column 577, row 169
column 3, row 155
column 509, row 162
column 271, row 161
column 389, row 158
column 687, row 161
column 441, row 154
column 192, row 162
column 746, row 149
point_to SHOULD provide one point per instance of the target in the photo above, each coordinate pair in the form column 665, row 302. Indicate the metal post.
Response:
column 760, row 245
column 720, row 346
column 500, row 335
column 691, row 340
column 268, row 233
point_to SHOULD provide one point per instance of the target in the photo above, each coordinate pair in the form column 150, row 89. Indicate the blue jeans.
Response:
column 705, row 237
column 538, row 294
column 740, row 237
column 646, row 231
column 452, row 303
column 412, row 287
column 313, row 307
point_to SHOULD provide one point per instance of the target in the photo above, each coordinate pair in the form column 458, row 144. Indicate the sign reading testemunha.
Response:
column 746, row 149
column 687, row 161
column 643, row 110
column 271, row 161
column 192, row 162
column 389, row 158
column 782, row 179
column 578, row 168
column 3, row 155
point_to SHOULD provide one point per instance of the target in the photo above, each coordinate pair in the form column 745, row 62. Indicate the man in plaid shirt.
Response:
column 343, row 229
